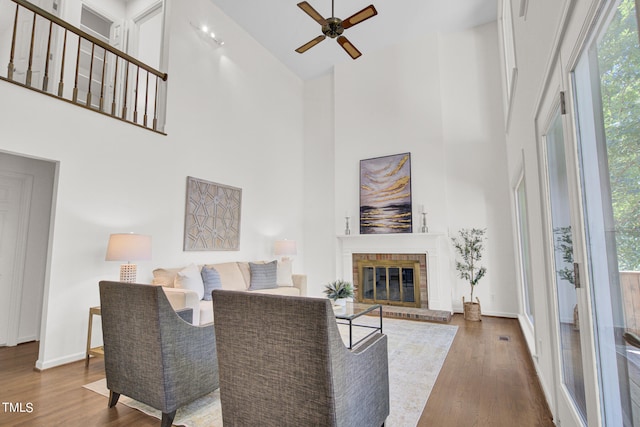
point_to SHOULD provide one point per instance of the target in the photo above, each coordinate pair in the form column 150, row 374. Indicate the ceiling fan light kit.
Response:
column 334, row 27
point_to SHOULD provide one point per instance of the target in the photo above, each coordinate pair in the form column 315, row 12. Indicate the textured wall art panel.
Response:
column 212, row 216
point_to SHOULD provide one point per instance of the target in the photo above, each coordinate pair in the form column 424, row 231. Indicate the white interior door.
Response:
column 15, row 196
column 146, row 42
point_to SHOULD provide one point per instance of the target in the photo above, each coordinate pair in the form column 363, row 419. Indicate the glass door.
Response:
column 567, row 312
column 607, row 93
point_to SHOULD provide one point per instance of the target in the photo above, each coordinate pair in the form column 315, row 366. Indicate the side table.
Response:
column 352, row 311
column 93, row 351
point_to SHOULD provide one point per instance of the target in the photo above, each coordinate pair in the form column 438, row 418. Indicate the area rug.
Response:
column 417, row 351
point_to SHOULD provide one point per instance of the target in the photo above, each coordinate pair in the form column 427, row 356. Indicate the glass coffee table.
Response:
column 345, row 315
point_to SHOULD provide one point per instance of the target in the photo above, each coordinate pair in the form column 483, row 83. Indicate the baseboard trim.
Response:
column 48, row 364
column 491, row 313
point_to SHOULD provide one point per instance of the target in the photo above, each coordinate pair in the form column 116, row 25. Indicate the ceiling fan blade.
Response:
column 309, row 10
column 348, row 47
column 363, row 15
column 305, row 47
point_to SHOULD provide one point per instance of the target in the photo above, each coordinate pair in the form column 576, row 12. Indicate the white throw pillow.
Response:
column 190, row 278
column 284, row 273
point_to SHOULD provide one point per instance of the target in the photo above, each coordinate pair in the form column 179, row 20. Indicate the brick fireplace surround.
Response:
column 421, row 258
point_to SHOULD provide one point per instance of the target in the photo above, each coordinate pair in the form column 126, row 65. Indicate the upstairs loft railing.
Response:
column 49, row 55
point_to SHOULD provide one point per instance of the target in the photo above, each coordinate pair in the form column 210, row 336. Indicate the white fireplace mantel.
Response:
column 434, row 245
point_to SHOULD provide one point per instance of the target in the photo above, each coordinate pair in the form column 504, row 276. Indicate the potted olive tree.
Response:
column 469, row 246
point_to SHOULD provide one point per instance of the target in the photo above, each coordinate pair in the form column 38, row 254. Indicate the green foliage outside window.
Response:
column 619, row 65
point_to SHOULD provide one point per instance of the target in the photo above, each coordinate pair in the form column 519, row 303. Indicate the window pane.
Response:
column 523, row 241
column 381, row 283
column 408, row 288
column 571, row 353
column 394, row 284
column 367, row 283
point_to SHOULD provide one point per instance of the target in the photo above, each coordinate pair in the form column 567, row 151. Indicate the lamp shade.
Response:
column 128, row 247
column 286, row 247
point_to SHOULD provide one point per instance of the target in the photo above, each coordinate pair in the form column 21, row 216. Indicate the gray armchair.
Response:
column 283, row 363
column 150, row 353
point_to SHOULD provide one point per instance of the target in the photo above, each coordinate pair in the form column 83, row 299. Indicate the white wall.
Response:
column 319, row 183
column 238, row 117
column 477, row 183
column 439, row 98
column 387, row 103
column 234, row 117
column 534, row 36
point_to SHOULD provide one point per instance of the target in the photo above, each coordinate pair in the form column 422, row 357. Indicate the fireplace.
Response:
column 391, row 279
column 431, row 250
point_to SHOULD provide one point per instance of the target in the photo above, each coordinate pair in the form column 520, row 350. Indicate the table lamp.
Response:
column 128, row 247
column 284, row 248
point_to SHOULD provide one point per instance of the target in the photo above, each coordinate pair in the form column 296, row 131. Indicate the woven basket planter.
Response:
column 472, row 310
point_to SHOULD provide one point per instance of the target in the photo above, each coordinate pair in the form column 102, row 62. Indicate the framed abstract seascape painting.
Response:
column 385, row 195
column 212, row 216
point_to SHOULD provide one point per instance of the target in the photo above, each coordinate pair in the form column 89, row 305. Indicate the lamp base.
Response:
column 128, row 273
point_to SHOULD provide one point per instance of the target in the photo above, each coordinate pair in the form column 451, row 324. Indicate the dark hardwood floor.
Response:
column 484, row 382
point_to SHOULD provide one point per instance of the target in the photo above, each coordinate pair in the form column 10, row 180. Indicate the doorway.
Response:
column 26, row 197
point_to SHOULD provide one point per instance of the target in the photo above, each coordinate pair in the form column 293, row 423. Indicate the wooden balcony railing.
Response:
column 49, row 55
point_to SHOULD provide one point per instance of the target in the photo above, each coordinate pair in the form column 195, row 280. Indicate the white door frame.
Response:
column 550, row 102
column 137, row 21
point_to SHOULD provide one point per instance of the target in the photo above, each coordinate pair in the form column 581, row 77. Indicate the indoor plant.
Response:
column 338, row 291
column 469, row 246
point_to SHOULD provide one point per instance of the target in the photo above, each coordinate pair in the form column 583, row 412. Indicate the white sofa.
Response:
column 183, row 293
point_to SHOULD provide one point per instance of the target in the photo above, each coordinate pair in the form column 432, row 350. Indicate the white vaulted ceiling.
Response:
column 281, row 26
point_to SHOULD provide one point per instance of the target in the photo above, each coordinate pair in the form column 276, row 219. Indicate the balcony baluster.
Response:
column 115, row 85
column 90, row 77
column 126, row 91
column 33, row 36
column 45, row 79
column 11, row 65
column 102, row 83
column 54, row 46
column 75, row 86
column 64, row 55
column 135, row 104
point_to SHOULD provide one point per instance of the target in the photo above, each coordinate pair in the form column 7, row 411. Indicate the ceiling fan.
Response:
column 334, row 27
